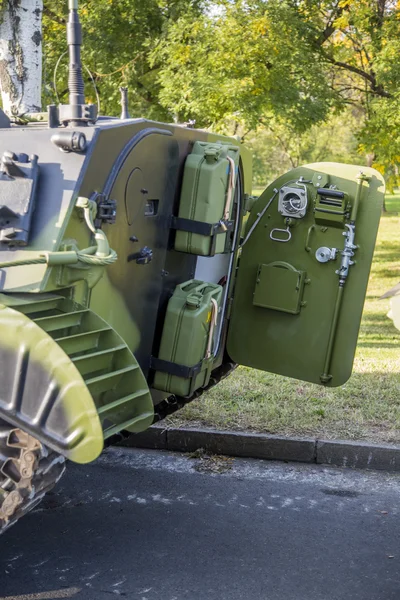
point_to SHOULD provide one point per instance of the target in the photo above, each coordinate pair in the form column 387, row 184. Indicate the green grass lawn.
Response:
column 367, row 407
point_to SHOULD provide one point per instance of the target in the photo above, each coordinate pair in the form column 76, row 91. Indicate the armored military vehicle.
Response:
column 137, row 271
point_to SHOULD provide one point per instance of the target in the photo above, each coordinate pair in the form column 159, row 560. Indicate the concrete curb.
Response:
column 355, row 455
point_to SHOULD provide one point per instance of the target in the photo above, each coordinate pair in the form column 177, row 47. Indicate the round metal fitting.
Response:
column 323, row 254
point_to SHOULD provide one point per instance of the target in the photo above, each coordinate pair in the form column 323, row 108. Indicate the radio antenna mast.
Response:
column 76, row 113
column 74, row 36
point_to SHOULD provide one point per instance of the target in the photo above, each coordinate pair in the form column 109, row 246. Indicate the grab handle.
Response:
column 283, row 240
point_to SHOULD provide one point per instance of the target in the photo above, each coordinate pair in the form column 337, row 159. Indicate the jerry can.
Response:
column 186, row 350
column 206, row 201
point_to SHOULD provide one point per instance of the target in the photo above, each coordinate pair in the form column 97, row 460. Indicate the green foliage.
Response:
column 277, row 149
column 118, row 37
column 249, row 62
column 287, row 68
column 360, row 47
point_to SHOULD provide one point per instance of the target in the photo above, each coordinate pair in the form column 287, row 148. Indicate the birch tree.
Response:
column 21, row 55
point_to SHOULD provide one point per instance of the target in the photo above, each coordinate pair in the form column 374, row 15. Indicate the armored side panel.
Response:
column 303, row 272
column 104, row 310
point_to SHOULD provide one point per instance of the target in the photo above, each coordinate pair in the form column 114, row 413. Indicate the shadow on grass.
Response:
column 380, row 318
column 366, row 407
column 391, row 274
column 378, row 344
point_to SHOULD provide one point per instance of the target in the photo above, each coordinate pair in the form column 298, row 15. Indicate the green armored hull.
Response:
column 129, row 284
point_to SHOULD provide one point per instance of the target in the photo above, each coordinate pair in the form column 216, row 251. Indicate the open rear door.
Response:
column 303, row 272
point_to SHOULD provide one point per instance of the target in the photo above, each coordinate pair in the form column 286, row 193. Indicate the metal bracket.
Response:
column 19, row 175
column 106, row 210
column 143, row 257
column 80, row 113
column 347, row 253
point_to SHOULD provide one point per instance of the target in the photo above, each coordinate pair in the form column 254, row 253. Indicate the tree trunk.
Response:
column 370, row 159
column 21, row 56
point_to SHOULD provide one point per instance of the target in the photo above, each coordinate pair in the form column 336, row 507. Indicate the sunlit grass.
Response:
column 367, row 407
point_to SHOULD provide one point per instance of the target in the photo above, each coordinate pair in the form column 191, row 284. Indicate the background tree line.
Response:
column 299, row 80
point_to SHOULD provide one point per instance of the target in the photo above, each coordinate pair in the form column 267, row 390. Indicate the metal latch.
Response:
column 106, row 210
column 143, row 257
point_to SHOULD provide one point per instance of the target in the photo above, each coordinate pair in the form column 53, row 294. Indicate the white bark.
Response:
column 21, row 56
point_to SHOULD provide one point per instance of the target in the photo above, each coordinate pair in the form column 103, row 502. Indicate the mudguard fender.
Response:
column 43, row 393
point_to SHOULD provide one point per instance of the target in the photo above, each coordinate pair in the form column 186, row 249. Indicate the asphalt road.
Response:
column 147, row 525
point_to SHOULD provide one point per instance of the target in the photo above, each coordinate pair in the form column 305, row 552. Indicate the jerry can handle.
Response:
column 213, row 324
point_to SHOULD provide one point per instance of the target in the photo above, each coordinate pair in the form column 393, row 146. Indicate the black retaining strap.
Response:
column 166, row 366
column 210, row 230
column 201, row 228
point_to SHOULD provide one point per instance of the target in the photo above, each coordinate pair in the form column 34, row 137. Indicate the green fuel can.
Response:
column 207, row 194
column 186, row 350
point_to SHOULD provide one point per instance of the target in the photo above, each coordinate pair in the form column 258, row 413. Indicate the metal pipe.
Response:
column 326, row 377
column 343, row 272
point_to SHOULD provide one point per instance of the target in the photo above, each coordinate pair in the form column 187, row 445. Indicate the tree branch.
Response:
column 330, row 28
column 376, row 89
column 51, row 15
column 246, row 134
column 284, row 147
column 381, row 7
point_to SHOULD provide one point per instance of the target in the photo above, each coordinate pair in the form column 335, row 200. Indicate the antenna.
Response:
column 76, row 113
column 74, row 38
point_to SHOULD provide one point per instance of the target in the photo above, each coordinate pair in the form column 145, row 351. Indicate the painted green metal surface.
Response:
column 102, row 366
column 279, row 286
column 204, row 193
column 186, row 334
column 285, row 300
column 42, row 391
column 147, row 159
